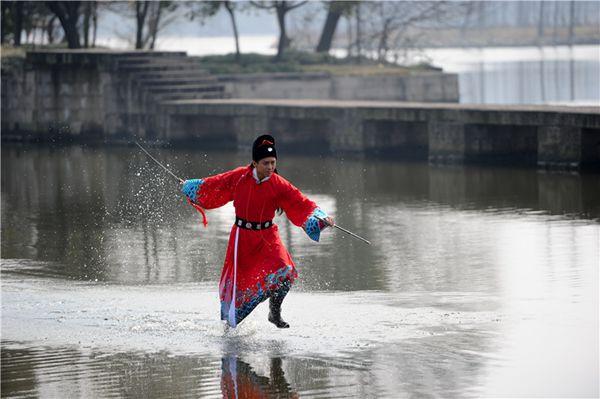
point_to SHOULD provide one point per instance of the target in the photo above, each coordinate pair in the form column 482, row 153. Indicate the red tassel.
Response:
column 199, row 209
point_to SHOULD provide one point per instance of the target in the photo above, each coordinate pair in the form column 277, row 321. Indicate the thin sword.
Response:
column 322, row 220
column 160, row 164
column 344, row 230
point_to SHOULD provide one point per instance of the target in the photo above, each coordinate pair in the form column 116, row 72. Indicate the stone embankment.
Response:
column 422, row 86
column 96, row 94
column 115, row 95
column 167, row 97
column 546, row 136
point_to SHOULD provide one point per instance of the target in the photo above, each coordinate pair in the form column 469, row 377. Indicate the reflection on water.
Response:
column 239, row 380
column 108, row 215
column 532, row 82
column 524, row 75
column 64, row 372
column 479, row 282
column 70, row 372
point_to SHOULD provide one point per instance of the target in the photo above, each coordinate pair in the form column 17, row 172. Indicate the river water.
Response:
column 480, row 282
column 567, row 75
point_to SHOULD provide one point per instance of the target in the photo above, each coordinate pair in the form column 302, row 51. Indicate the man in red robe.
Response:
column 257, row 264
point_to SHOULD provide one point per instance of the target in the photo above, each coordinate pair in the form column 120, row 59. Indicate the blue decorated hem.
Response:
column 190, row 188
column 247, row 300
column 312, row 225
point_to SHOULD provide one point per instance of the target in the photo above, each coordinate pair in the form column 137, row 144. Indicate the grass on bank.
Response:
column 292, row 61
column 296, row 61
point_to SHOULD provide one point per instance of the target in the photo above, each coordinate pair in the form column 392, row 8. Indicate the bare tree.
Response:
column 94, row 23
column 30, row 17
column 206, row 9
column 151, row 17
column 230, row 7
column 141, row 10
column 335, row 9
column 18, row 21
column 397, row 26
column 87, row 16
column 68, row 14
column 153, row 23
column 5, row 20
column 281, row 9
column 358, row 34
column 50, row 29
column 571, row 21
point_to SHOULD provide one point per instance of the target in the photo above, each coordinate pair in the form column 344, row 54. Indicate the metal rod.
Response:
column 321, row 219
column 160, row 164
column 344, row 230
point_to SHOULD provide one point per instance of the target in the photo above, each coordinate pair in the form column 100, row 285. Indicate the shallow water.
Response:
column 480, row 282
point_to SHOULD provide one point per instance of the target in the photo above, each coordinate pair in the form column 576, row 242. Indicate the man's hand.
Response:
column 326, row 222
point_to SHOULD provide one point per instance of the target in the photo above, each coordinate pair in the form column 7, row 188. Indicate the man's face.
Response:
column 265, row 167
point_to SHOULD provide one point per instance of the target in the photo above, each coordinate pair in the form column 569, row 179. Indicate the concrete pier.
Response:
column 113, row 96
column 546, row 136
column 92, row 95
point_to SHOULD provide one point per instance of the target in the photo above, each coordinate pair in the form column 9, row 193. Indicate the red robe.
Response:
column 256, row 263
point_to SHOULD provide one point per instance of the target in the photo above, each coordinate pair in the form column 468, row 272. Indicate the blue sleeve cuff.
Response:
column 311, row 226
column 190, row 188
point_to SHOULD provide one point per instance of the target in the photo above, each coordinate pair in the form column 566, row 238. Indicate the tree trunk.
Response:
column 141, row 10
column 281, row 9
column 540, row 32
column 382, row 48
column 18, row 9
column 50, row 29
column 571, row 22
column 333, row 16
column 87, row 13
column 94, row 23
column 33, row 34
column 350, row 38
column 555, row 24
column 68, row 14
column 154, row 22
column 5, row 6
column 358, row 33
column 229, row 8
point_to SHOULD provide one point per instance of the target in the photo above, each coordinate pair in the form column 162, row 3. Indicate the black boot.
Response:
column 275, row 309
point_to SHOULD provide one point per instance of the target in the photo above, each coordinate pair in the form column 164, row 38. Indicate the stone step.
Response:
column 145, row 61
column 130, row 62
column 149, row 53
column 165, row 81
column 169, row 74
column 160, row 67
column 197, row 88
column 189, row 96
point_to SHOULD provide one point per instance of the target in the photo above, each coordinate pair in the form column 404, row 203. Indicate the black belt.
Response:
column 245, row 224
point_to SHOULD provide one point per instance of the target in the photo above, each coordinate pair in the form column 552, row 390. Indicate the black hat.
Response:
column 264, row 146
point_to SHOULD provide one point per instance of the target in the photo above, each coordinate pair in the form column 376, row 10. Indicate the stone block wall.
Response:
column 99, row 95
column 278, row 85
column 446, row 142
column 53, row 96
column 419, row 87
column 90, row 95
column 113, row 97
column 590, row 146
column 408, row 140
column 494, row 143
column 548, row 137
